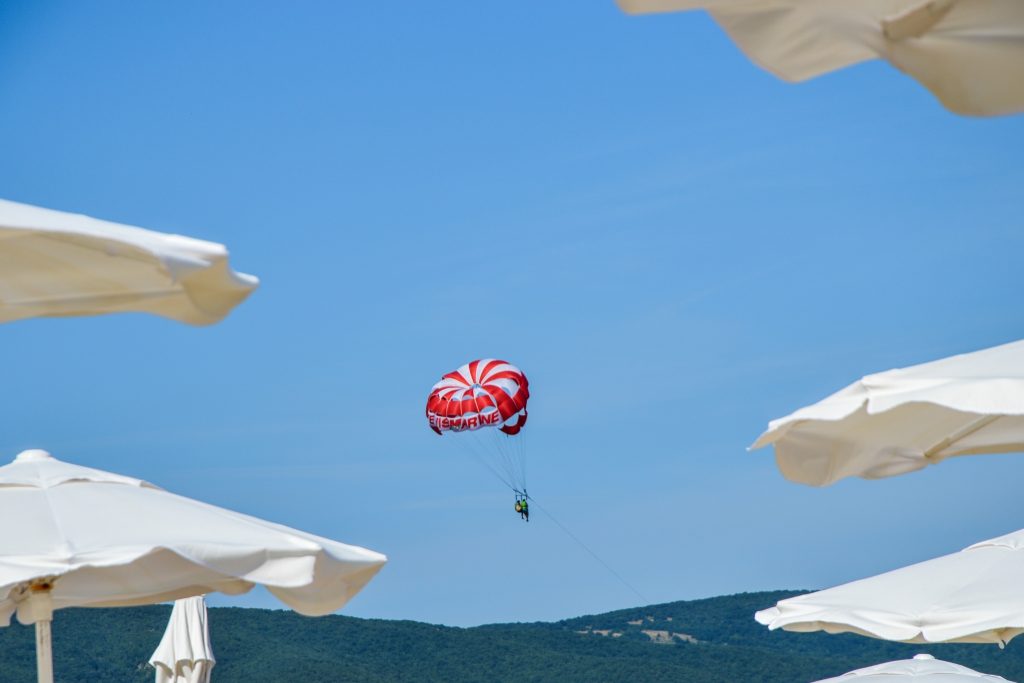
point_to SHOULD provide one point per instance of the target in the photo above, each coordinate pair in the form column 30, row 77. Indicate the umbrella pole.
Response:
column 38, row 608
column 44, row 651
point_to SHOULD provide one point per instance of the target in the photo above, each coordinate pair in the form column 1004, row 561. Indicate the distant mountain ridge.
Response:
column 695, row 641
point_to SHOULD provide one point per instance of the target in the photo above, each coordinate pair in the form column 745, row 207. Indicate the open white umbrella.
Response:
column 81, row 537
column 906, row 419
column 973, row 596
column 969, row 53
column 184, row 654
column 54, row 263
column 920, row 669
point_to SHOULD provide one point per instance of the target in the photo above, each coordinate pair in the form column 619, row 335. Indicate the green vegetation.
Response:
column 696, row 641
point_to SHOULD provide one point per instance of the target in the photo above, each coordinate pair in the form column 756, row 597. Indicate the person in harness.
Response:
column 522, row 507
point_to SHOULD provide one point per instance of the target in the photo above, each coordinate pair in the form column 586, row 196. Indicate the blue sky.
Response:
column 675, row 246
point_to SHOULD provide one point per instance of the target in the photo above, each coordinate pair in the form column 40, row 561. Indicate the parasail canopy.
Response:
column 482, row 393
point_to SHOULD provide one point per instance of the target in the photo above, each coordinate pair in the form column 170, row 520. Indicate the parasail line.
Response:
column 483, row 461
column 583, row 545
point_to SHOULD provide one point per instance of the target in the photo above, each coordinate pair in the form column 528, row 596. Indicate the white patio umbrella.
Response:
column 921, row 669
column 62, row 264
column 903, row 420
column 81, row 537
column 185, row 654
column 969, row 53
column 972, row 596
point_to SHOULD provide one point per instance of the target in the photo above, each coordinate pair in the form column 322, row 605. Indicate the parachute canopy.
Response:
column 482, row 393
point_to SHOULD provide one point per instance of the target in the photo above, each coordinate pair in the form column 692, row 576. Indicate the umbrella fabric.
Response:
column 920, row 669
column 973, row 596
column 185, row 654
column 904, row 420
column 968, row 53
column 62, row 264
column 104, row 540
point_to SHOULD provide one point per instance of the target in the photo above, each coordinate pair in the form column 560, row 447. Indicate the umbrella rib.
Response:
column 93, row 298
column 964, row 432
column 916, row 21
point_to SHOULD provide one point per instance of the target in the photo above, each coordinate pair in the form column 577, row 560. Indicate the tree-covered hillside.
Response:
column 694, row 641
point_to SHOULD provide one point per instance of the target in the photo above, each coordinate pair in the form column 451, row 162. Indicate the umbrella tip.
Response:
column 33, row 454
column 923, row 656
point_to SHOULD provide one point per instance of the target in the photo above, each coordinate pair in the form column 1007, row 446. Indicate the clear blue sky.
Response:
column 675, row 246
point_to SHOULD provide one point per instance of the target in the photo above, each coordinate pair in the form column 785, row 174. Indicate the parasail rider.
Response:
column 523, row 508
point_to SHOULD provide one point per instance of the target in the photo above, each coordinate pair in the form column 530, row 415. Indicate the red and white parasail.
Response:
column 482, row 393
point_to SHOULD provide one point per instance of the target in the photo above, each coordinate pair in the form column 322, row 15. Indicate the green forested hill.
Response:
column 695, row 641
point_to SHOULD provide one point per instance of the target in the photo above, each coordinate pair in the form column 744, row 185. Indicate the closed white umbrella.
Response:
column 920, row 669
column 969, row 53
column 54, row 263
column 973, row 596
column 185, row 654
column 89, row 538
column 903, row 420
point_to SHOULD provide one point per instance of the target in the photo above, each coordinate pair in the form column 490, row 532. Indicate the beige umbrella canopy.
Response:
column 185, row 654
column 972, row 596
column 968, row 53
column 905, row 419
column 88, row 538
column 54, row 263
column 920, row 669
